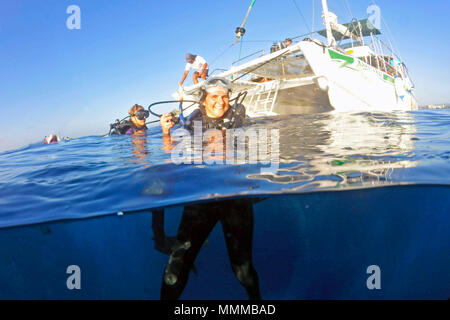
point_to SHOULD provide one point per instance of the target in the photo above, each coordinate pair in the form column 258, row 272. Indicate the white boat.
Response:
column 354, row 70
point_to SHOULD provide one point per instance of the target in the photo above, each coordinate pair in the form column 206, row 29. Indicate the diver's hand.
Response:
column 167, row 123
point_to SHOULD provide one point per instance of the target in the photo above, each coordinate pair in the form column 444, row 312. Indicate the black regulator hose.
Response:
column 176, row 113
column 169, row 101
column 238, row 100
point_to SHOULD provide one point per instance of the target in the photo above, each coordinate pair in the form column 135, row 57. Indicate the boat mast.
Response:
column 240, row 31
column 326, row 19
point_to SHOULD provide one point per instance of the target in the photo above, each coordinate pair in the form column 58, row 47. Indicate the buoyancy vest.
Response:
column 127, row 127
column 233, row 118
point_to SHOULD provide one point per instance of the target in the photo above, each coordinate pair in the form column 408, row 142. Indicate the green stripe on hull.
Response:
column 388, row 78
column 349, row 63
column 339, row 56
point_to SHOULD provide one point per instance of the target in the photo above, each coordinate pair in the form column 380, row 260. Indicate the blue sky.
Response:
column 75, row 82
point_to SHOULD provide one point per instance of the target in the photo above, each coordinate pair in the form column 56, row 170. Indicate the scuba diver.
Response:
column 136, row 123
column 214, row 112
column 280, row 45
column 198, row 220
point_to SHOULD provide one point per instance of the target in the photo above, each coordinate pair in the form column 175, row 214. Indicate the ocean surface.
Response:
column 95, row 175
column 334, row 196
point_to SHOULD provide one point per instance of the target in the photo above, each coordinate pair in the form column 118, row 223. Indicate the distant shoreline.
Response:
column 432, row 106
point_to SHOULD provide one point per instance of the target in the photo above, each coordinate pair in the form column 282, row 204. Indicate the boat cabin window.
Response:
column 283, row 68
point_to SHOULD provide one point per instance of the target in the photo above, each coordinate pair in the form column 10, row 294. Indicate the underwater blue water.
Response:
column 93, row 176
column 308, row 246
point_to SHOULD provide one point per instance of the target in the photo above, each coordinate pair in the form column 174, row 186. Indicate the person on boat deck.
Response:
column 281, row 45
column 198, row 64
column 198, row 220
column 288, row 42
column 136, row 123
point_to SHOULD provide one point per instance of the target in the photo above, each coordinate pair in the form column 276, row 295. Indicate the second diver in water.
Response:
column 135, row 124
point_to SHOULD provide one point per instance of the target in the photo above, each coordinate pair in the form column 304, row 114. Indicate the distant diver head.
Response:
column 52, row 138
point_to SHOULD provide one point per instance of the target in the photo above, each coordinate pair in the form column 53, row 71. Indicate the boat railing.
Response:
column 250, row 55
column 217, row 69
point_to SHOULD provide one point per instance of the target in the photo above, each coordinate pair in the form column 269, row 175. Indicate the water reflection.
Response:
column 317, row 151
column 341, row 149
column 139, row 148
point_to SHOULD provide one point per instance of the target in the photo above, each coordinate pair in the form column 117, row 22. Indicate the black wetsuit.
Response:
column 233, row 118
column 127, row 127
column 236, row 217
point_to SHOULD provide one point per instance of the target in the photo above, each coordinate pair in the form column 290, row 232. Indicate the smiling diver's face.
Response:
column 217, row 102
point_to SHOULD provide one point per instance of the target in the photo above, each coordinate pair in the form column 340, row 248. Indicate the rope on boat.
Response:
column 240, row 31
column 222, row 53
column 301, row 14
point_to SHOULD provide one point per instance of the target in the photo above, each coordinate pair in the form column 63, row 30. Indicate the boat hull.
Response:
column 353, row 85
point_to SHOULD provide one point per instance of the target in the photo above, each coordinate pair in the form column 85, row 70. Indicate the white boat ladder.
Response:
column 264, row 97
